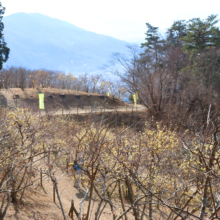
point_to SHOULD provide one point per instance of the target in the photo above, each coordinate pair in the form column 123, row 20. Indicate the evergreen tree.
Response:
column 202, row 44
column 4, row 50
column 154, row 47
column 152, row 38
column 176, row 32
column 201, row 35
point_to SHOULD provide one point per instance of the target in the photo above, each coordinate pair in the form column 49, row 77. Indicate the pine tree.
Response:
column 154, row 48
column 4, row 50
column 202, row 44
column 176, row 33
column 201, row 35
column 153, row 42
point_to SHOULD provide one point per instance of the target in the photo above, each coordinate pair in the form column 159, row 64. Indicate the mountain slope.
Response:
column 38, row 41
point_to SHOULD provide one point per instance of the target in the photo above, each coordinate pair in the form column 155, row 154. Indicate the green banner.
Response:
column 41, row 100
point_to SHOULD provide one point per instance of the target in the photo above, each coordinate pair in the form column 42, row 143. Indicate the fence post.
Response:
column 41, row 178
column 67, row 164
column 54, row 194
column 73, row 209
column 116, row 122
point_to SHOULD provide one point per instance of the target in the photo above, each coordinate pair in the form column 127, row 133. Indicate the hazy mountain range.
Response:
column 37, row 41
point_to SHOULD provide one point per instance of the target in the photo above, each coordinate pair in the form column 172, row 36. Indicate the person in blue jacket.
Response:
column 77, row 175
column 76, row 166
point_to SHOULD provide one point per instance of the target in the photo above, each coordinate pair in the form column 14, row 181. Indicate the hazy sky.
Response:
column 122, row 19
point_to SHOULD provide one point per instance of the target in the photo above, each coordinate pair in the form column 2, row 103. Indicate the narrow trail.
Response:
column 89, row 110
column 38, row 203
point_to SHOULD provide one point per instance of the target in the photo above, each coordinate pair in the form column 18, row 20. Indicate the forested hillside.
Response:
column 177, row 77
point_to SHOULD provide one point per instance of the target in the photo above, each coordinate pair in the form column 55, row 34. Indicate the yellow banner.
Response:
column 137, row 95
column 108, row 94
column 135, row 99
column 41, row 100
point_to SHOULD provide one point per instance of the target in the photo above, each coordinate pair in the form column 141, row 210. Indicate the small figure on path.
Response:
column 76, row 169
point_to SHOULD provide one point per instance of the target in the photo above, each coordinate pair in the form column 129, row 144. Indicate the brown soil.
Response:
column 39, row 205
column 55, row 99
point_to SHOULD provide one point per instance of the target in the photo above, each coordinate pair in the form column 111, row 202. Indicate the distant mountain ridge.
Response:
column 37, row 41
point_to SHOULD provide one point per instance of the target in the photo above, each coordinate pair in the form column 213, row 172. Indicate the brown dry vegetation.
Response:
column 153, row 173
column 167, row 168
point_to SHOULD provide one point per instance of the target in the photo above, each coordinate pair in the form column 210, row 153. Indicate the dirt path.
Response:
column 88, row 110
column 39, row 205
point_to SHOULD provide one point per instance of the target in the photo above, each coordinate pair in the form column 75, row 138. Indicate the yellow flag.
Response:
column 137, row 95
column 135, row 99
column 41, row 100
column 108, row 94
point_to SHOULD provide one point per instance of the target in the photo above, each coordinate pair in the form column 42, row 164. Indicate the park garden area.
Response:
column 158, row 162
column 155, row 172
